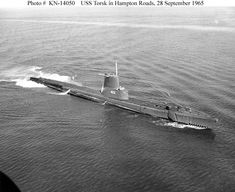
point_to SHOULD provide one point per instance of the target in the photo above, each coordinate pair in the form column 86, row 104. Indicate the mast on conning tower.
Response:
column 116, row 68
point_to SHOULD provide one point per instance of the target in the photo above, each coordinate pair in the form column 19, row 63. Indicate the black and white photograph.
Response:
column 117, row 96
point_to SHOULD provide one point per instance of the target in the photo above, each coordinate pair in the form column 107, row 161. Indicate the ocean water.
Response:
column 55, row 142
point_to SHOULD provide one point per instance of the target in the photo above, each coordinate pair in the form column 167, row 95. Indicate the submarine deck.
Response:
column 161, row 110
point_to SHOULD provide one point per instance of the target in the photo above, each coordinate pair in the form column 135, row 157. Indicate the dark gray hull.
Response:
column 176, row 114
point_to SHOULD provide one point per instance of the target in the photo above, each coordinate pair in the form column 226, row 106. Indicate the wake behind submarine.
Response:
column 113, row 94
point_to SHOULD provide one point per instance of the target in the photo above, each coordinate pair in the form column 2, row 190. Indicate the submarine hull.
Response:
column 180, row 115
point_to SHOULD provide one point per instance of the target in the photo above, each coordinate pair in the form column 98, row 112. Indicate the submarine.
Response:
column 113, row 93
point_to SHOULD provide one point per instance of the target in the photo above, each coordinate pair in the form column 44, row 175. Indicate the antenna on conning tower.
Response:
column 116, row 68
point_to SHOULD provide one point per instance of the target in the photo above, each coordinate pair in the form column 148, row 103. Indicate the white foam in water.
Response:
column 164, row 122
column 63, row 93
column 182, row 126
column 21, row 76
column 55, row 76
column 27, row 84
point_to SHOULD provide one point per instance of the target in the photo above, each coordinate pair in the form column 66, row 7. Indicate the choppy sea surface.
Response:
column 55, row 142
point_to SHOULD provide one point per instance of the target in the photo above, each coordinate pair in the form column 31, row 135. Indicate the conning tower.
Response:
column 111, row 87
